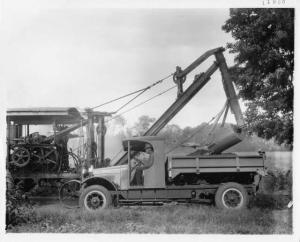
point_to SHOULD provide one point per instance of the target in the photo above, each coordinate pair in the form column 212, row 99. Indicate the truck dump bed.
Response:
column 229, row 162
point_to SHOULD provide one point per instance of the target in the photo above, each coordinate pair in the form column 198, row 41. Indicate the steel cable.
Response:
column 129, row 94
column 130, row 101
column 159, row 94
column 216, row 118
column 191, row 135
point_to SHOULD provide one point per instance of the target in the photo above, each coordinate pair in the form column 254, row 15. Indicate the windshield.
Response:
column 136, row 146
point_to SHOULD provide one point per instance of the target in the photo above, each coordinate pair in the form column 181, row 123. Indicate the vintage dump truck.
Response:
column 145, row 174
column 226, row 179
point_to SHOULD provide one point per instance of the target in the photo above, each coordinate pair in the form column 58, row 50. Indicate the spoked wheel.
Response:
column 45, row 158
column 69, row 194
column 231, row 196
column 95, row 198
column 20, row 157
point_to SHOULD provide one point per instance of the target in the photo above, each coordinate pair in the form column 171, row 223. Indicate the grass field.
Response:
column 186, row 219
column 267, row 214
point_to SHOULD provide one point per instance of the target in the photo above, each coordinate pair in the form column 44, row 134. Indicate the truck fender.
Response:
column 110, row 186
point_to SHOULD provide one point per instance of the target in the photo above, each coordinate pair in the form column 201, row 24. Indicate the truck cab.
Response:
column 136, row 174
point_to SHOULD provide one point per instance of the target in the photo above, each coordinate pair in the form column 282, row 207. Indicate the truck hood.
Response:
column 107, row 171
column 111, row 173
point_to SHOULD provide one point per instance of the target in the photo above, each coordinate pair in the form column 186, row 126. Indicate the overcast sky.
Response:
column 82, row 57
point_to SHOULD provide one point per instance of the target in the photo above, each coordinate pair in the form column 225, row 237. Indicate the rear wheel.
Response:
column 231, row 195
column 95, row 198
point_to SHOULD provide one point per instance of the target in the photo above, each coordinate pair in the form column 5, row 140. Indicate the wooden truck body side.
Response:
column 229, row 162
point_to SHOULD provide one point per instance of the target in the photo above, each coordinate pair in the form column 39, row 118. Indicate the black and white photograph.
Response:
column 148, row 119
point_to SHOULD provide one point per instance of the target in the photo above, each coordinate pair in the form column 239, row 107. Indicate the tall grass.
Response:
column 191, row 219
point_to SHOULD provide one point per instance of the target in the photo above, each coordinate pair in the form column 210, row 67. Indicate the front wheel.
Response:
column 95, row 198
column 231, row 195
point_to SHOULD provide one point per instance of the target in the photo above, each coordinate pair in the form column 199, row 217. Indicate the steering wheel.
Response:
column 139, row 162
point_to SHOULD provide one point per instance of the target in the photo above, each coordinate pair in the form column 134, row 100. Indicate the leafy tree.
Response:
column 263, row 70
column 116, row 125
column 172, row 133
column 142, row 125
column 119, row 121
column 177, row 138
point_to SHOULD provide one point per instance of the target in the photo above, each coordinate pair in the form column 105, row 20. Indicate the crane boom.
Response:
column 199, row 82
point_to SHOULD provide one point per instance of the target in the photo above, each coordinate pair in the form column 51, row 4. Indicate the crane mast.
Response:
column 196, row 86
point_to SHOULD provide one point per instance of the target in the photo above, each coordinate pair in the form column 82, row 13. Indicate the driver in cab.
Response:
column 141, row 162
